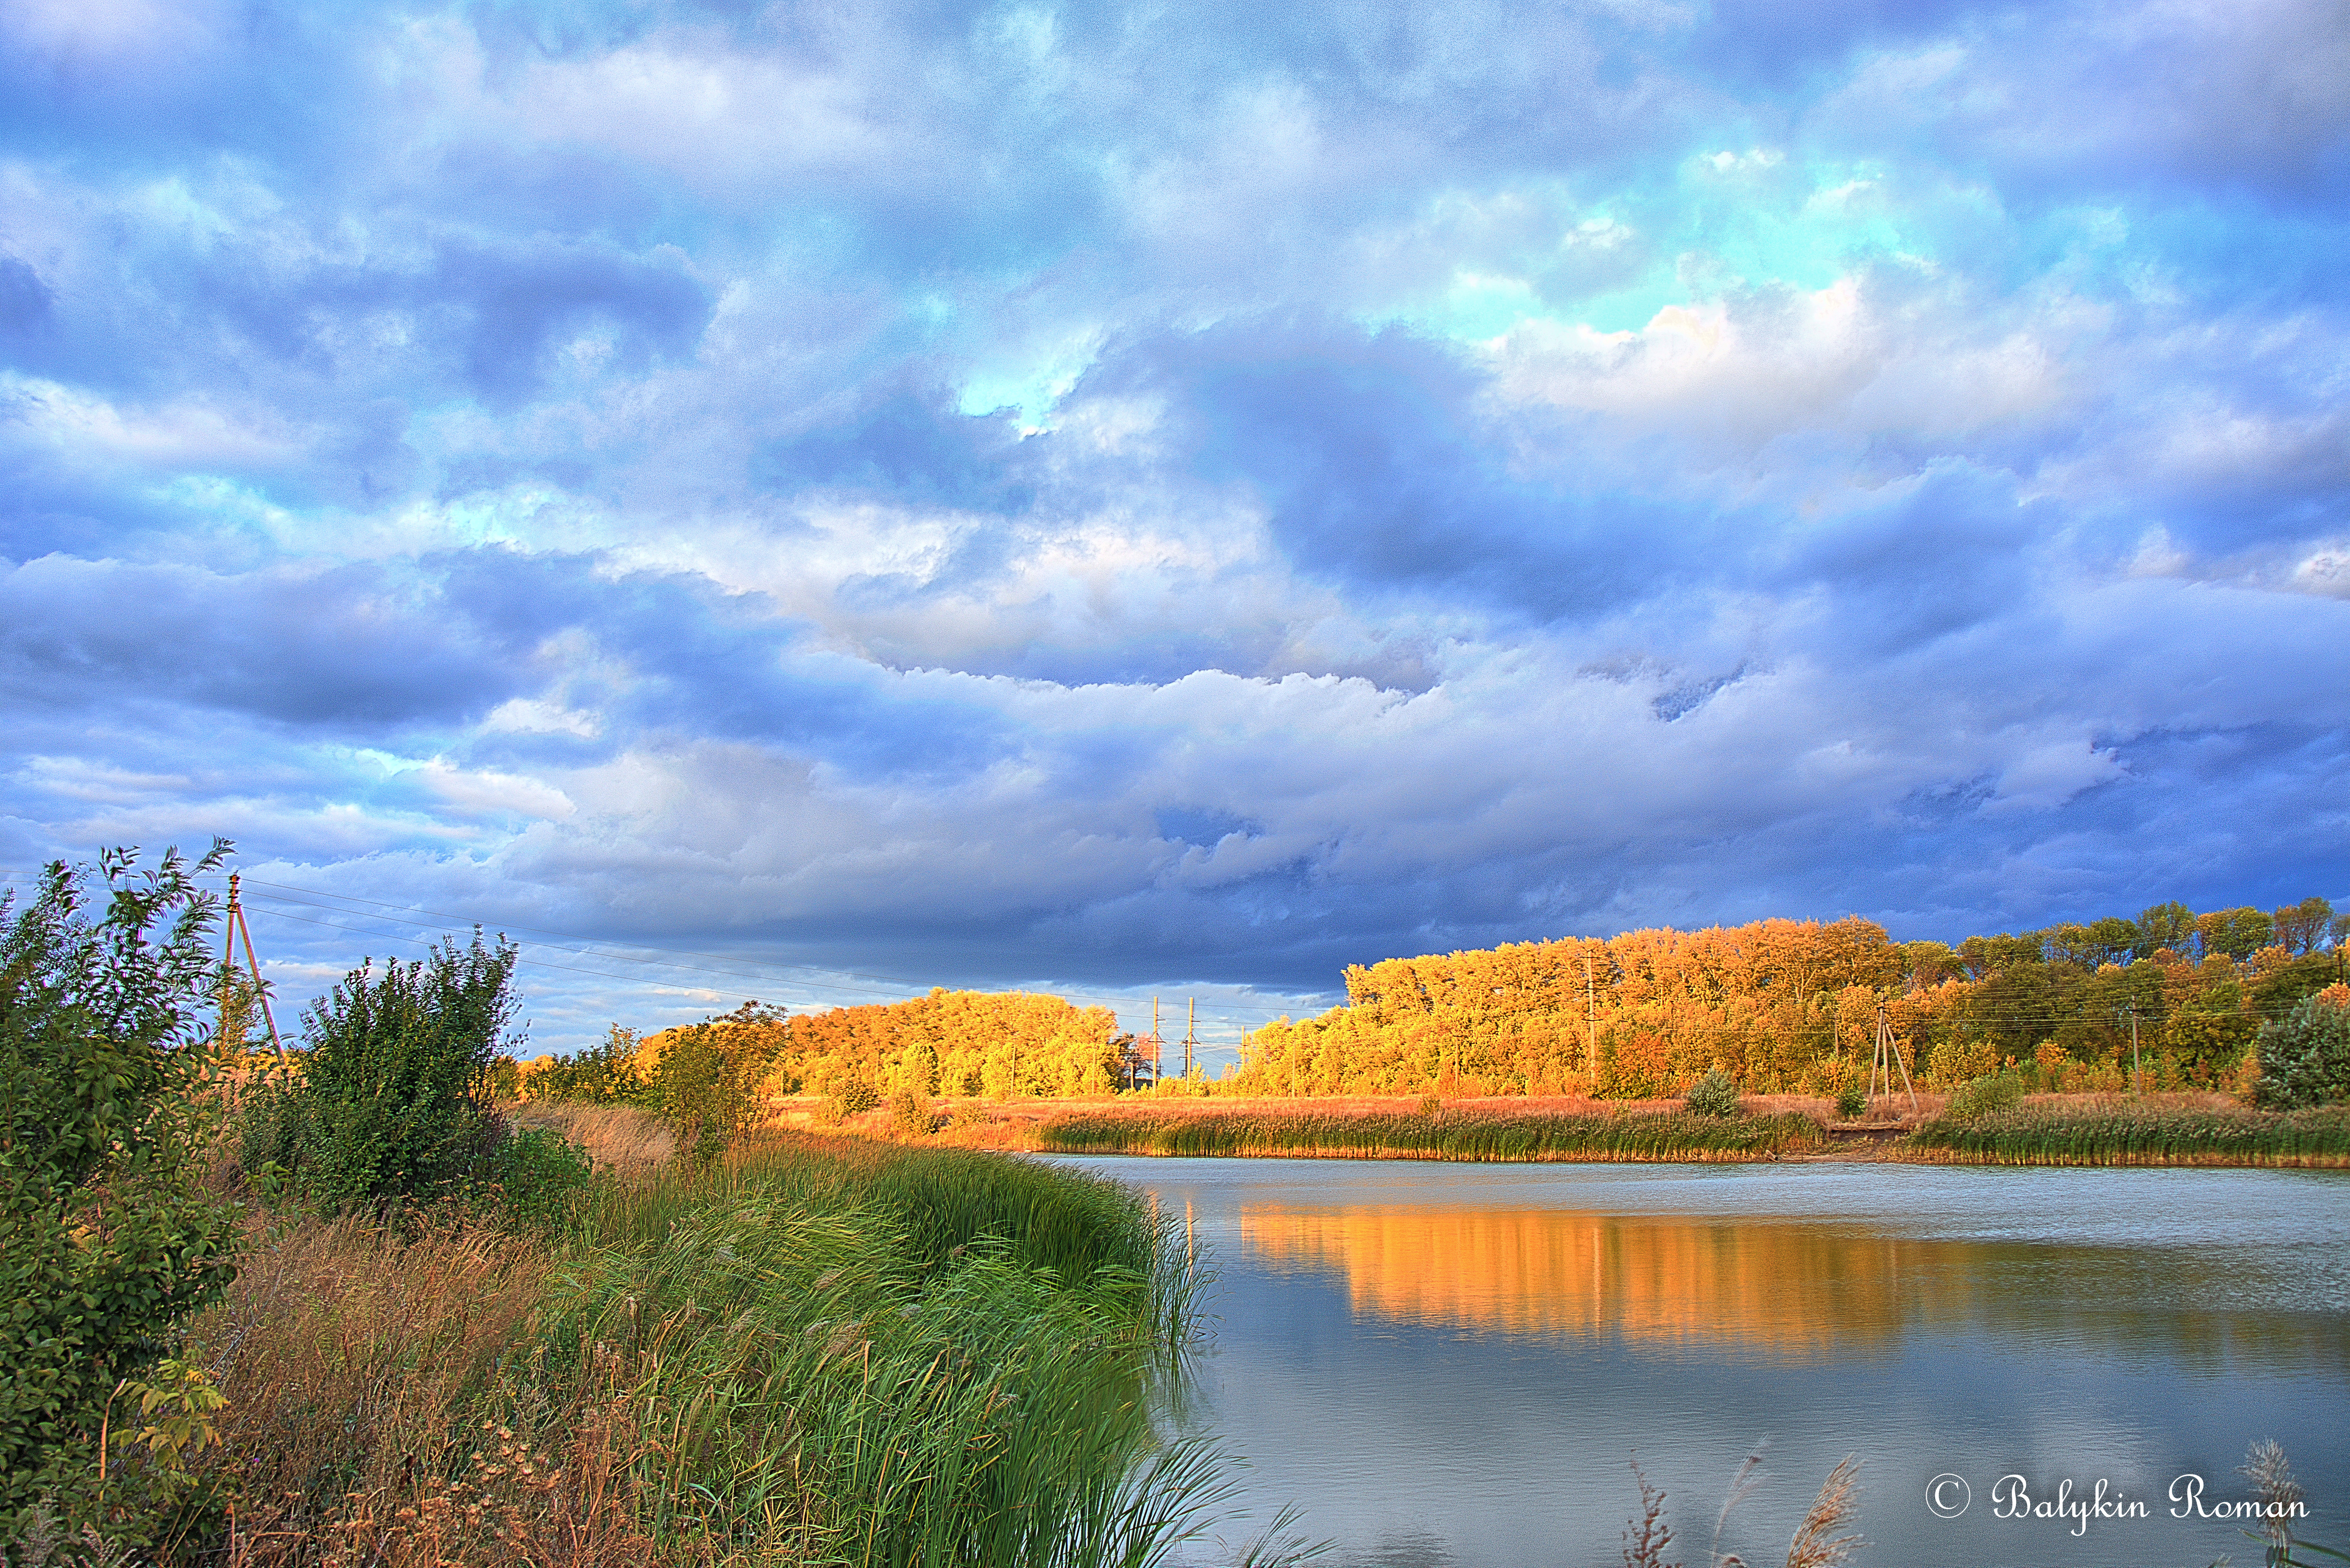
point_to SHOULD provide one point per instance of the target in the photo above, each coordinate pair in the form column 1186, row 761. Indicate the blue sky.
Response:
column 1179, row 500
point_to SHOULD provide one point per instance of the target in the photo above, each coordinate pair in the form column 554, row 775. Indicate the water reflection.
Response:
column 1779, row 1292
column 1453, row 1366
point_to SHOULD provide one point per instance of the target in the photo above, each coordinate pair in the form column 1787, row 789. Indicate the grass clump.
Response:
column 2137, row 1134
column 1715, row 1095
column 1457, row 1135
column 1981, row 1096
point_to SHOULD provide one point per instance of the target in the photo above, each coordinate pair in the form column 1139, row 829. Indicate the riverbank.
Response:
column 815, row 1350
column 2182, row 1128
column 2114, row 1131
column 1444, row 1135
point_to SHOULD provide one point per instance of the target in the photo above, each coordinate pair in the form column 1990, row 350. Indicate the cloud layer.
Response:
column 1123, row 498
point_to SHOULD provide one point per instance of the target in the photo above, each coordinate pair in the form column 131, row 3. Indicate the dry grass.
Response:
column 364, row 1373
column 1817, row 1544
column 620, row 1138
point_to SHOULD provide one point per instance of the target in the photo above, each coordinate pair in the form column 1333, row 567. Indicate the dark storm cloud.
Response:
column 1013, row 494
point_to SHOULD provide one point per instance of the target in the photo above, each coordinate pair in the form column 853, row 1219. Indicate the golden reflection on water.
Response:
column 1776, row 1292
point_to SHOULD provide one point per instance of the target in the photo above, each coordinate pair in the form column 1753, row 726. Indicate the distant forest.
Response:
column 1783, row 1005
column 1791, row 1006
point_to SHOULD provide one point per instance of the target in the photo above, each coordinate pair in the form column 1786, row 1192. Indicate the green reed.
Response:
column 1462, row 1136
column 2135, row 1135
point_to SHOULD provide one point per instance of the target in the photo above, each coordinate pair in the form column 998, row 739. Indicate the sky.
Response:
column 1134, row 500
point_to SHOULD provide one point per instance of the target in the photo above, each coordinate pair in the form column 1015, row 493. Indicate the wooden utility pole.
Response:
column 233, row 926
column 1190, row 1032
column 1888, row 1046
column 1155, row 1042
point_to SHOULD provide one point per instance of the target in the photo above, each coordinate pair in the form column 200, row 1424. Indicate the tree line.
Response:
column 1793, row 1006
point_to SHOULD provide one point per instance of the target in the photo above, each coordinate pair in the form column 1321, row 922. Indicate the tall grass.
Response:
column 820, row 1351
column 2134, row 1135
column 1462, row 1136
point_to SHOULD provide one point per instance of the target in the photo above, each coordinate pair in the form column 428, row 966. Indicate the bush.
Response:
column 850, row 1097
column 103, row 1065
column 1981, row 1096
column 1851, row 1104
column 2304, row 1056
column 1715, row 1095
column 603, row 1074
column 535, row 1174
column 911, row 1113
column 707, row 1084
column 390, row 1099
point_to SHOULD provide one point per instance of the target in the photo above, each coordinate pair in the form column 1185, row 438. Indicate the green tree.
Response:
column 390, row 1098
column 2237, row 933
column 2170, row 925
column 707, row 1084
column 2305, row 1054
column 106, row 1239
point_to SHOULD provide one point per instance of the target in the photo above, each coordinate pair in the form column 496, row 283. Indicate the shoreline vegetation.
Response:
column 2178, row 1129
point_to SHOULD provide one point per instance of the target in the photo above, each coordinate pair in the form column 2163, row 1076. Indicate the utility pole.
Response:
column 1154, row 1041
column 232, row 926
column 1190, row 1032
column 1888, row 1046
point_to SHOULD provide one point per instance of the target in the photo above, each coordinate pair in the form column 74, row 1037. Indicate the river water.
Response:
column 1456, row 1363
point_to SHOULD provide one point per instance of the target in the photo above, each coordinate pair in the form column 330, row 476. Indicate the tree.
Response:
column 2305, row 1056
column 106, row 1239
column 2170, row 925
column 391, row 1093
column 707, row 1083
column 2303, row 926
column 2238, row 933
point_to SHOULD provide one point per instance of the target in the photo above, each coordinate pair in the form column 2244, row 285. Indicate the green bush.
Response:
column 1715, row 1095
column 1851, row 1104
column 103, row 1065
column 850, row 1097
column 707, row 1084
column 390, row 1096
column 535, row 1176
column 2305, row 1056
column 1981, row 1096
column 600, row 1075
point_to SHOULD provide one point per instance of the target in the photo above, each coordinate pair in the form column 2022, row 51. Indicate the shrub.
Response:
column 536, row 1173
column 707, row 1084
column 1851, row 1104
column 103, row 1063
column 2304, row 1056
column 1981, row 1096
column 851, row 1096
column 1715, row 1095
column 911, row 1113
column 390, row 1099
column 602, row 1074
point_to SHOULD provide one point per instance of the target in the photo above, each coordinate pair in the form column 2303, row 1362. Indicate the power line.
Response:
column 742, row 970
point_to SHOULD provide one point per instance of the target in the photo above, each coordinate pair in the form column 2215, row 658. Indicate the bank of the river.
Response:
column 1675, row 1136
column 817, row 1350
column 2169, row 1129
column 2122, row 1133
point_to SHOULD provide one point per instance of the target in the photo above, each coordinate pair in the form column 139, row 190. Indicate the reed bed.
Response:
column 819, row 1351
column 2124, row 1134
column 1451, row 1135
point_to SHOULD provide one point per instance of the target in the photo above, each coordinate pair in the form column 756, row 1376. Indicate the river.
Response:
column 1456, row 1365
